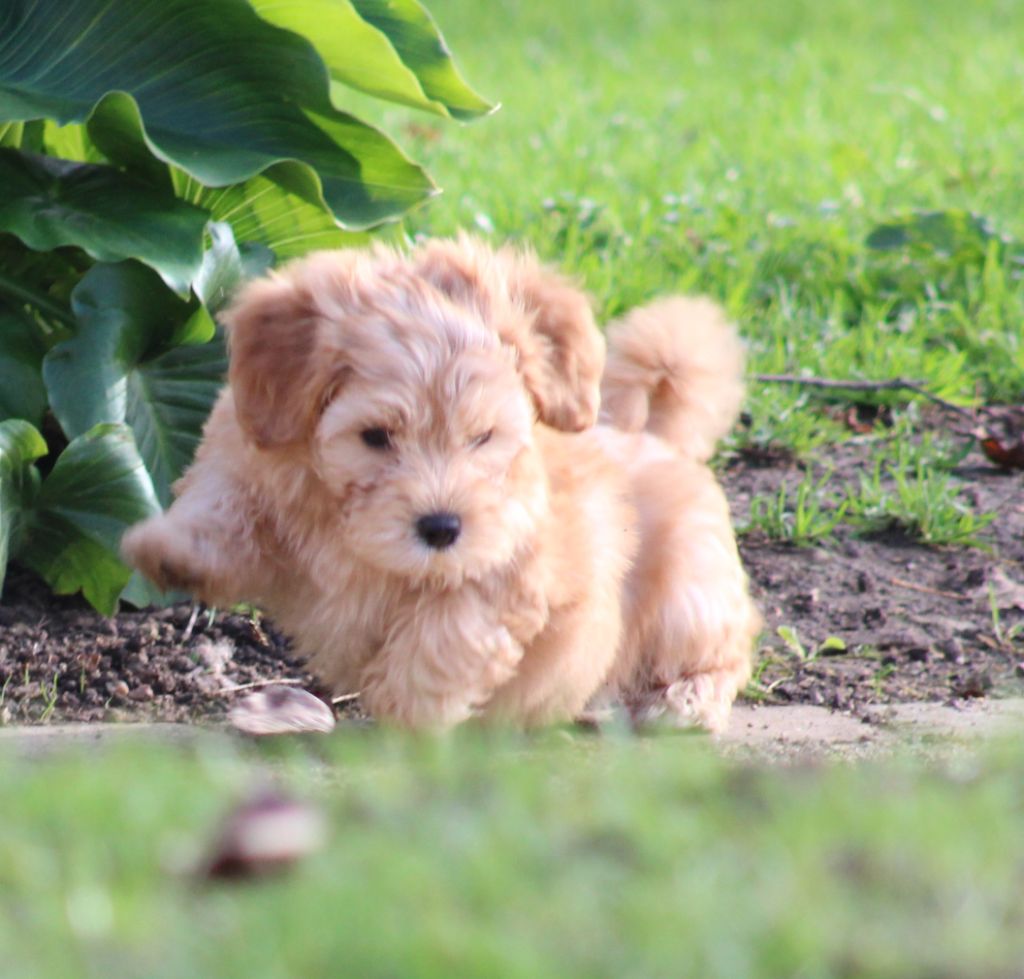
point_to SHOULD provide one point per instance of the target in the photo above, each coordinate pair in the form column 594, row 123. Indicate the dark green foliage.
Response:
column 153, row 155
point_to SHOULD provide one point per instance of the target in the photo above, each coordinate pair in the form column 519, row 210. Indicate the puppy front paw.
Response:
column 425, row 686
column 164, row 554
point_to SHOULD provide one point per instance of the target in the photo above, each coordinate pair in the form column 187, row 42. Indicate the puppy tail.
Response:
column 674, row 368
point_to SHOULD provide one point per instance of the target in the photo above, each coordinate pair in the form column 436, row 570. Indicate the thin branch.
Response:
column 925, row 590
column 892, row 384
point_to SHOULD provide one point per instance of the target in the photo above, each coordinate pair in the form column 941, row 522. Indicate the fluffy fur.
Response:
column 593, row 561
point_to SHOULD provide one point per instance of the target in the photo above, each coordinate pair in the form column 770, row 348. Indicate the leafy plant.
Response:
column 804, row 520
column 778, row 421
column 1005, row 636
column 917, row 500
column 789, row 636
column 152, row 157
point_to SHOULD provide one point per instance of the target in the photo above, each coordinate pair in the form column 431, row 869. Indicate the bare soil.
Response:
column 916, row 623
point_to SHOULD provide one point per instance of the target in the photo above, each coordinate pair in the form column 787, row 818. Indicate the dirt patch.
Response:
column 915, row 622
column 801, row 733
column 61, row 661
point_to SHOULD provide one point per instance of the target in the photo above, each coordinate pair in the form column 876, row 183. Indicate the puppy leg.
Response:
column 201, row 545
column 441, row 661
column 564, row 665
column 691, row 623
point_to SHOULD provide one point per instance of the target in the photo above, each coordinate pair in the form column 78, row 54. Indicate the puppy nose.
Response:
column 439, row 530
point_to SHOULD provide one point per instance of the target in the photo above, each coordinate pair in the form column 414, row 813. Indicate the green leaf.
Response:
column 419, row 44
column 209, row 87
column 362, row 55
column 97, row 489
column 123, row 365
column 952, row 233
column 22, row 393
column 40, row 282
column 20, row 446
column 72, row 142
column 266, row 213
column 22, row 135
column 11, row 133
column 111, row 215
column 832, row 644
column 225, row 266
column 789, row 636
column 142, row 593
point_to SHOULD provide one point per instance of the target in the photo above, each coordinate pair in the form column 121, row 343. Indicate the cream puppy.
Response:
column 406, row 471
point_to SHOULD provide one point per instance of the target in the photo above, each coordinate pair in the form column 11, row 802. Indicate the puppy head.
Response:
column 411, row 386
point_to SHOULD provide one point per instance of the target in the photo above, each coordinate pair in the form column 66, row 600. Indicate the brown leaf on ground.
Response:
column 1002, row 437
column 1005, row 455
column 265, row 834
column 279, row 709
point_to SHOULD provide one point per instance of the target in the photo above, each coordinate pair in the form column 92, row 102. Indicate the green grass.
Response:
column 804, row 519
column 748, row 151
column 917, row 500
column 551, row 857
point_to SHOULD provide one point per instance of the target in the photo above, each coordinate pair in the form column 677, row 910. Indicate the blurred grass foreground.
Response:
column 553, row 856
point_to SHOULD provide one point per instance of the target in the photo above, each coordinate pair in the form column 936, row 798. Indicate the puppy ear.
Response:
column 275, row 374
column 561, row 351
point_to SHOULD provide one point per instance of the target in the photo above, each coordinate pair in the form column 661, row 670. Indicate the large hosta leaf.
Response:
column 225, row 266
column 419, row 44
column 136, row 359
column 97, row 489
column 208, row 86
column 39, row 284
column 22, row 394
column 264, row 212
column 20, row 446
column 109, row 214
column 363, row 56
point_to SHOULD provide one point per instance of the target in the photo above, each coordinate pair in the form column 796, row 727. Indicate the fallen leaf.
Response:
column 1002, row 590
column 281, row 710
column 1007, row 456
column 1002, row 435
column 267, row 833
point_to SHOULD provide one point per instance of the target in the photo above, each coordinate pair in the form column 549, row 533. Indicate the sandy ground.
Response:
column 803, row 732
column 786, row 734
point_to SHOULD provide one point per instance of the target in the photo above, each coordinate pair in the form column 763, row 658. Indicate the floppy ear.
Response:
column 276, row 376
column 538, row 312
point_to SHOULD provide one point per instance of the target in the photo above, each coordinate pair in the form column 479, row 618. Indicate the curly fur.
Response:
column 593, row 561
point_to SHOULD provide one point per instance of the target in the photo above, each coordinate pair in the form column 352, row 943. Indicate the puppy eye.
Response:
column 376, row 438
column 482, row 439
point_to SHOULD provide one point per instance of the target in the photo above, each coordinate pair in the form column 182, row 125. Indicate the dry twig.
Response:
column 925, row 590
column 892, row 384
